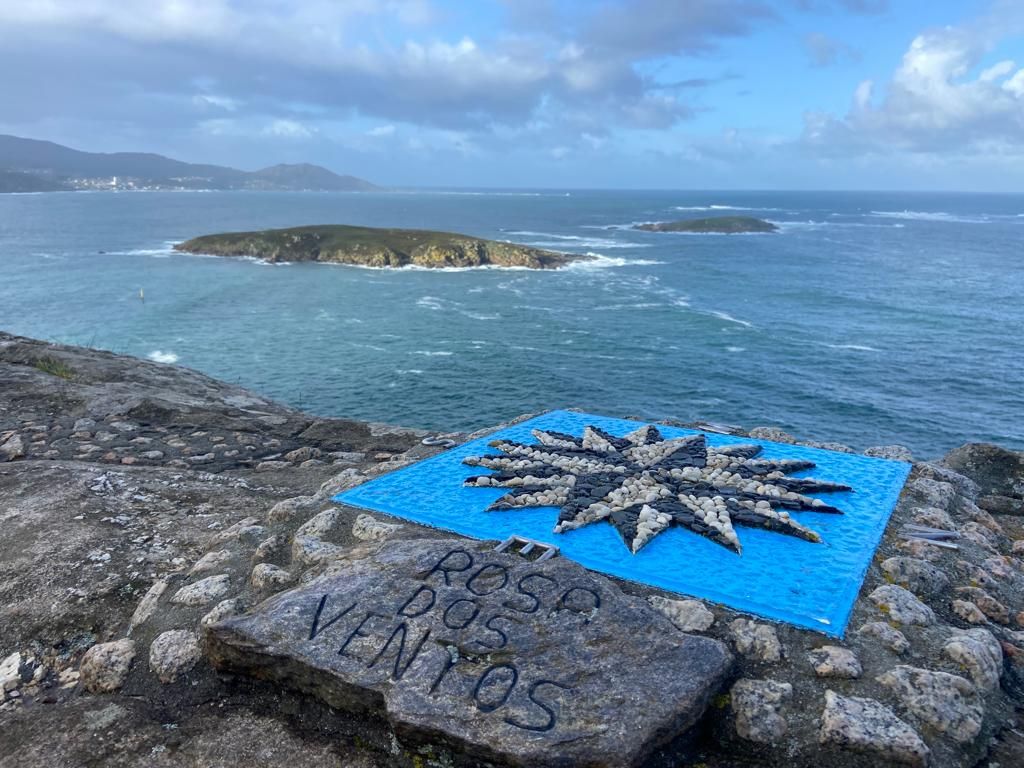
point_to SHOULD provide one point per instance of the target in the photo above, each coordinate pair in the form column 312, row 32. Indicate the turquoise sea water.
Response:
column 871, row 318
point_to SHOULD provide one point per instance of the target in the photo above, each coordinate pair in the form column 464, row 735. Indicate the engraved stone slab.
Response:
column 502, row 659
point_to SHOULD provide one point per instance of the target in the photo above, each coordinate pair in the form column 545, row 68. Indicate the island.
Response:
column 721, row 225
column 372, row 247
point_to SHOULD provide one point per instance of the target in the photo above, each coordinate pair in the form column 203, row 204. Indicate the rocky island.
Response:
column 722, row 225
column 174, row 562
column 373, row 247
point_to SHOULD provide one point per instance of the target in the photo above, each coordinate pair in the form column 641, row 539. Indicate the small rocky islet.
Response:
column 376, row 247
column 712, row 225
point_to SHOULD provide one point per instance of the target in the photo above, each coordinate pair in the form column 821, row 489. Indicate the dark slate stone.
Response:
column 500, row 658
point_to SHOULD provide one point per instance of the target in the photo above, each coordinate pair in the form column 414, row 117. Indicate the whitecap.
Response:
column 429, row 353
column 159, row 356
column 931, row 216
column 735, row 349
column 857, row 347
column 730, row 319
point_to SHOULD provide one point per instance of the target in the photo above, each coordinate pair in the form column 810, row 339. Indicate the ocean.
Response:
column 870, row 318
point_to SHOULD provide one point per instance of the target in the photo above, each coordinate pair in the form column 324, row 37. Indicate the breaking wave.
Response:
column 159, row 356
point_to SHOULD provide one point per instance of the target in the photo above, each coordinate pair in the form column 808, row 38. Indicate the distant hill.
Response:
column 29, row 165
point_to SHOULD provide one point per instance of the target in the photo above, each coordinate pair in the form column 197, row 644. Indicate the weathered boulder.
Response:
column 509, row 661
column 105, row 666
column 947, row 703
column 758, row 706
column 173, row 653
column 687, row 615
column 865, row 725
column 901, row 606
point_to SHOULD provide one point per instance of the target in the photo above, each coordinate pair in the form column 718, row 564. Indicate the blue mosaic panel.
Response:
column 778, row 577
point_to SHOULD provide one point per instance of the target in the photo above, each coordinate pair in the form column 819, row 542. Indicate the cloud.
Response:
column 325, row 60
column 937, row 100
column 287, row 129
column 381, row 130
column 825, row 51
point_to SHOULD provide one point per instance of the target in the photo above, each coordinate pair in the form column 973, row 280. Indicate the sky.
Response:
column 680, row 94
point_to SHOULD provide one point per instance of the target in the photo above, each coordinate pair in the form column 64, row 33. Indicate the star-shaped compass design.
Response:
column 644, row 483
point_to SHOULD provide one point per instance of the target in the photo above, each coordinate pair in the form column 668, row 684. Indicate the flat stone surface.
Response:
column 507, row 660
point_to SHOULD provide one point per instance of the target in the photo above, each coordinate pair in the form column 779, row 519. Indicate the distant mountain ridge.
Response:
column 31, row 165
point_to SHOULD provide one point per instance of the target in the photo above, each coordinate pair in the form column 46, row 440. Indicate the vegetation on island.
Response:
column 725, row 225
column 372, row 247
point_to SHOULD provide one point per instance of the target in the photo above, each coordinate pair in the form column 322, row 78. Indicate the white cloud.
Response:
column 934, row 101
column 211, row 100
column 381, row 131
column 288, row 129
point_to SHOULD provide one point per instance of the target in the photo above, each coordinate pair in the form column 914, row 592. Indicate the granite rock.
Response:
column 173, row 653
column 947, row 703
column 505, row 659
column 901, row 606
column 758, row 706
column 915, row 575
column 967, row 611
column 834, row 661
column 867, row 726
column 267, row 577
column 891, row 452
column 980, row 654
column 758, row 642
column 105, row 666
column 368, row 528
column 888, row 635
column 203, row 591
column 997, row 471
column 687, row 615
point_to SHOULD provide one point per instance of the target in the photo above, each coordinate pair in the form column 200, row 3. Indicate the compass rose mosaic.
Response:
column 643, row 483
column 782, row 531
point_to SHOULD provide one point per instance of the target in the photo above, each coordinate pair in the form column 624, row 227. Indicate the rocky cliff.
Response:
column 143, row 506
column 370, row 247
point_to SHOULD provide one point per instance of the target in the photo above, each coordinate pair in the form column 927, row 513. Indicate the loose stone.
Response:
column 173, row 653
column 977, row 651
column 368, row 528
column 270, row 548
column 891, row 452
column 756, row 641
column 987, row 604
column 901, row 606
column 947, row 703
column 834, row 661
column 204, row 591
column 11, row 446
column 969, row 612
column 266, row 576
column 758, row 706
column 890, row 637
column 105, row 666
column 211, row 561
column 289, row 508
column 916, row 575
column 147, row 605
column 933, row 517
column 867, row 726
column 224, row 609
column 300, row 455
column 688, row 615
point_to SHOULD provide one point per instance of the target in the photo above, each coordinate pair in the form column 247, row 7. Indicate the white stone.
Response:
column 978, row 651
column 147, row 605
column 173, row 653
column 687, row 615
column 367, row 528
column 105, row 666
column 204, row 591
column 867, row 726
column 211, row 561
column 758, row 706
column 266, row 576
